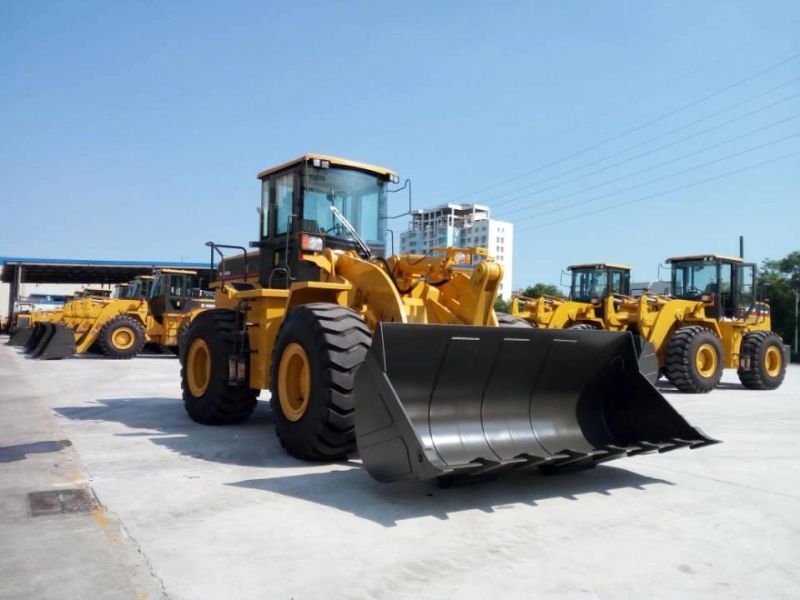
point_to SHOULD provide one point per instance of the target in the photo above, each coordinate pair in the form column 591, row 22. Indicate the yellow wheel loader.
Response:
column 711, row 320
column 153, row 309
column 402, row 357
column 599, row 298
column 595, row 292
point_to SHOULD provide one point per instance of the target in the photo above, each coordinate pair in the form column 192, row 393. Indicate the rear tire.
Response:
column 693, row 359
column 207, row 396
column 507, row 320
column 319, row 348
column 767, row 361
column 121, row 338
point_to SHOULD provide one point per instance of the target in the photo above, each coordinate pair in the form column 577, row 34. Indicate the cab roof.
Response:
column 600, row 265
column 333, row 160
column 736, row 259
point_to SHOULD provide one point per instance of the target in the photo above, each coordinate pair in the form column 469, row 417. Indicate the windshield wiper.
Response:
column 364, row 249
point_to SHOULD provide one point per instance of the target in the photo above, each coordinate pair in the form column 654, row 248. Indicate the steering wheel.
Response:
column 693, row 291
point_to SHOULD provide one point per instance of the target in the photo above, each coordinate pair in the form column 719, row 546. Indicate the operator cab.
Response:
column 139, row 288
column 171, row 291
column 299, row 205
column 726, row 284
column 592, row 283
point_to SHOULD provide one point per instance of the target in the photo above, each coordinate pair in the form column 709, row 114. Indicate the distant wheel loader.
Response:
column 711, row 320
column 402, row 357
column 153, row 309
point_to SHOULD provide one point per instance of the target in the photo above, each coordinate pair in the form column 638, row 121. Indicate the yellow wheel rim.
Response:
column 123, row 338
column 198, row 367
column 294, row 382
column 773, row 361
column 706, row 360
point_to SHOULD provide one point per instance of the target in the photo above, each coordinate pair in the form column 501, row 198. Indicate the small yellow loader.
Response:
column 402, row 356
column 595, row 291
column 153, row 309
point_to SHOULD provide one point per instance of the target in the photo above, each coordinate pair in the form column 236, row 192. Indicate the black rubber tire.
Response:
column 106, row 345
column 679, row 359
column 507, row 320
column 222, row 403
column 755, row 345
column 336, row 341
column 584, row 327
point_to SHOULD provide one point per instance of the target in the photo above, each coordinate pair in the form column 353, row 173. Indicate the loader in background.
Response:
column 402, row 357
column 595, row 292
column 154, row 310
column 598, row 292
column 712, row 320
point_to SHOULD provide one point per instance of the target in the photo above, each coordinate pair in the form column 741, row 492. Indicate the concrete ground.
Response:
column 187, row 511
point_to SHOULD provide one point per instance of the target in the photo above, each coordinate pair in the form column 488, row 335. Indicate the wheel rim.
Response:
column 773, row 361
column 705, row 361
column 123, row 338
column 294, row 382
column 198, row 367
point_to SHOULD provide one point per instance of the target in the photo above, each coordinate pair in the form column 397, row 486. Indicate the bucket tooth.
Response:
column 436, row 400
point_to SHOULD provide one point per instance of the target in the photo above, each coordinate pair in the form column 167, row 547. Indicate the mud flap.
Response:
column 57, row 341
column 457, row 401
column 20, row 337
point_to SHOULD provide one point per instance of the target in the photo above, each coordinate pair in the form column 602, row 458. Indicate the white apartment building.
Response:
column 462, row 225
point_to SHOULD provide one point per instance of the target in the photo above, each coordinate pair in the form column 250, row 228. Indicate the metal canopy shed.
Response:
column 16, row 271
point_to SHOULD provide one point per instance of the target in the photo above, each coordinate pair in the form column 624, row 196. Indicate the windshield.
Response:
column 588, row 284
column 361, row 198
column 691, row 280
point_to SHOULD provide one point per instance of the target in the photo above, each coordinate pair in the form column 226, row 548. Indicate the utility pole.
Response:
column 796, row 324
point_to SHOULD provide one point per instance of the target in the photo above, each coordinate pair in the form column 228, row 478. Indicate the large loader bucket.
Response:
column 459, row 401
column 35, row 337
column 56, row 341
column 20, row 337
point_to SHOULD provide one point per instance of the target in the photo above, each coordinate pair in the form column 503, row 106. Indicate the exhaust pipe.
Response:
column 449, row 401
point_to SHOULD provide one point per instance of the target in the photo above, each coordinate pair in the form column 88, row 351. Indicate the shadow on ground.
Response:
column 254, row 444
column 354, row 491
column 21, row 451
column 665, row 387
column 165, row 423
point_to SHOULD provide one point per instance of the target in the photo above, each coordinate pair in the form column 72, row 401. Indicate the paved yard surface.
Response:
column 173, row 509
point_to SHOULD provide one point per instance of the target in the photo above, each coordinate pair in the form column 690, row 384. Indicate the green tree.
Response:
column 501, row 305
column 542, row 289
column 780, row 280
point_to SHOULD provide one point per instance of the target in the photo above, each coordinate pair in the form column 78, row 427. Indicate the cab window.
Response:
column 284, row 200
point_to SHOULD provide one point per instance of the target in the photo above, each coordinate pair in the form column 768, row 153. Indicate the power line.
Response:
column 651, row 168
column 663, row 177
column 641, row 126
column 650, row 92
column 665, row 192
column 644, row 143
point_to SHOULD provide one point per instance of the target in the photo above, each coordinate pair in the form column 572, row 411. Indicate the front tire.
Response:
column 767, row 361
column 121, row 337
column 319, row 348
column 207, row 396
column 693, row 359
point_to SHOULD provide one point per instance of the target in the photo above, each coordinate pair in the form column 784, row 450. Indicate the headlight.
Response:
column 596, row 301
column 311, row 243
column 707, row 298
column 394, row 178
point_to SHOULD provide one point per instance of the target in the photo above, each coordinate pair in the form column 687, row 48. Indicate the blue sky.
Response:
column 134, row 130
